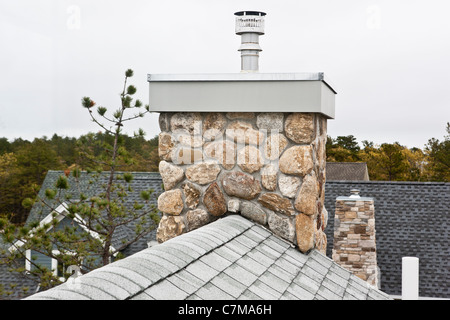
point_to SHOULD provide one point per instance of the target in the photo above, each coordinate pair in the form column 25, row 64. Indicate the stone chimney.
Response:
column 354, row 245
column 247, row 143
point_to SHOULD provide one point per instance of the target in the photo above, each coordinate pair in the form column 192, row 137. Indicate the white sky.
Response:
column 388, row 60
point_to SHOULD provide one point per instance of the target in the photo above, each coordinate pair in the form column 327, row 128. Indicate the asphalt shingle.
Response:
column 260, row 266
column 399, row 207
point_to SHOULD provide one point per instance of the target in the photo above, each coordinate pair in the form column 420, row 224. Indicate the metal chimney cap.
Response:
column 354, row 193
column 249, row 25
column 250, row 13
column 354, row 196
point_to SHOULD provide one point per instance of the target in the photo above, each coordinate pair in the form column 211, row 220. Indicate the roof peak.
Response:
column 230, row 258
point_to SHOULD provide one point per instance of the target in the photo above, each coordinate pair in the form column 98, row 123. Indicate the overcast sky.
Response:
column 388, row 60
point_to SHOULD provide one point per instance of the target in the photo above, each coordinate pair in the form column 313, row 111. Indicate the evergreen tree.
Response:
column 343, row 149
column 439, row 157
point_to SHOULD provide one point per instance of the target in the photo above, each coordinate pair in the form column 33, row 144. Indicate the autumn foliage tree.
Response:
column 393, row 161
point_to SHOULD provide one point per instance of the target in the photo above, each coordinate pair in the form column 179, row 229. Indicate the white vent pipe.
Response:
column 250, row 25
column 410, row 278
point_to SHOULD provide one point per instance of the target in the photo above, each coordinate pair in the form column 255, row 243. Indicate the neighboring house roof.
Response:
column 348, row 171
column 231, row 258
column 411, row 219
column 141, row 181
column 13, row 284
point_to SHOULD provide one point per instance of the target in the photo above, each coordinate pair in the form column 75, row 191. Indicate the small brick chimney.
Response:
column 247, row 143
column 354, row 245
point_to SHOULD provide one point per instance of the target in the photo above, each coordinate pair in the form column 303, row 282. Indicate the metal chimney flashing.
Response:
column 316, row 76
column 203, row 77
column 242, row 92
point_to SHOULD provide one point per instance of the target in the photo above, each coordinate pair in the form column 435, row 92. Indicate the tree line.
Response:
column 24, row 164
column 394, row 162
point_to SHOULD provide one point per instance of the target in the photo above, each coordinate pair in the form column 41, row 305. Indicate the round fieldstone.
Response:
column 164, row 121
column 297, row 160
column 243, row 133
column 214, row 200
column 249, row 159
column 299, row 127
column 191, row 195
column 288, row 185
column 165, row 146
column 269, row 177
column 190, row 121
column 306, row 201
column 241, row 185
column 305, row 229
column 203, row 173
column 214, row 125
column 277, row 203
column 321, row 241
column 281, row 226
column 270, row 121
column 234, row 205
column 170, row 174
column 253, row 212
column 196, row 218
column 171, row 202
column 321, row 152
column 170, row 227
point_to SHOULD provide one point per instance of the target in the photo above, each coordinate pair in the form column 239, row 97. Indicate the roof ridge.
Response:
column 146, row 273
column 193, row 260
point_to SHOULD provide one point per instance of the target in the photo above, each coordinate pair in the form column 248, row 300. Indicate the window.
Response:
column 36, row 258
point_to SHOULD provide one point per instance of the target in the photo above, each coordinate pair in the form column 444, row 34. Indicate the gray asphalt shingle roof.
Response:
column 231, row 258
column 142, row 181
column 411, row 219
column 349, row 171
column 15, row 285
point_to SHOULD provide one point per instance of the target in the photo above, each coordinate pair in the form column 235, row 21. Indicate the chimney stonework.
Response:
column 247, row 143
column 354, row 246
column 268, row 167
